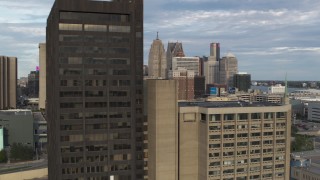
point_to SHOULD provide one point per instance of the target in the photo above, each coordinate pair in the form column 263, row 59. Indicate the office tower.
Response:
column 157, row 64
column 190, row 86
column 94, row 90
column 42, row 76
column 242, row 81
column 215, row 51
column 187, row 63
column 8, row 82
column 174, row 49
column 234, row 140
column 162, row 130
column 211, row 66
column 228, row 68
column 33, row 84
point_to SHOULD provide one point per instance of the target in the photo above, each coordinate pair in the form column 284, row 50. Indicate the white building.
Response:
column 277, row 89
column 188, row 63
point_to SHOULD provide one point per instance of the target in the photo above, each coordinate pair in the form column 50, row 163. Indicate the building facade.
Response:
column 157, row 64
column 18, row 127
column 228, row 68
column 42, row 76
column 234, row 140
column 94, row 90
column 242, row 81
column 33, row 84
column 190, row 86
column 211, row 66
column 162, row 129
column 174, row 49
column 8, row 82
column 187, row 63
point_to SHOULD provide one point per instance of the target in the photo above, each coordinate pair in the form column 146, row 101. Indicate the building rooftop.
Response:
column 224, row 104
column 15, row 112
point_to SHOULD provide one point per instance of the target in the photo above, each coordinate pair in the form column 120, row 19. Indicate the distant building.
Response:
column 305, row 168
column 174, row 49
column 157, row 64
column 188, row 63
column 8, row 82
column 242, row 81
column 211, row 66
column 190, row 86
column 33, row 84
column 314, row 111
column 145, row 70
column 228, row 68
column 18, row 127
column 276, row 89
column 42, row 76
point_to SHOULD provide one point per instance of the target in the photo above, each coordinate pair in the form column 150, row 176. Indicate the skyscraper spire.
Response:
column 157, row 35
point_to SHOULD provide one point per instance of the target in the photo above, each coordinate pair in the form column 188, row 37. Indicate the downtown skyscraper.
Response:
column 94, row 90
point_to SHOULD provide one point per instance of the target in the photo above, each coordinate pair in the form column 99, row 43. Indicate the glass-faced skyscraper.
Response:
column 94, row 90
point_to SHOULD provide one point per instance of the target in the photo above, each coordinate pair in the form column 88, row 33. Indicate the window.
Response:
column 268, row 115
column 214, row 117
column 242, row 117
column 229, row 117
column 95, row 28
column 120, row 29
column 256, row 116
column 70, row 60
column 70, row 27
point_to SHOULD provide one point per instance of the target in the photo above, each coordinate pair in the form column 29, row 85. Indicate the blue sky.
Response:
column 269, row 37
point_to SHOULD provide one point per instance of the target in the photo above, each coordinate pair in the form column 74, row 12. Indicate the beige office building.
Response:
column 162, row 130
column 157, row 64
column 234, row 140
column 42, row 76
column 8, row 82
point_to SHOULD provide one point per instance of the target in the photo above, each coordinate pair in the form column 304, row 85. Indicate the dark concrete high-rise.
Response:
column 242, row 81
column 94, row 90
column 8, row 82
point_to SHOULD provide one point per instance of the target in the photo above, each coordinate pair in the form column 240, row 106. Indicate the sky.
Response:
column 269, row 37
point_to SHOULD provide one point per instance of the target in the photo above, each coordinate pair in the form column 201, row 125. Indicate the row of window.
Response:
column 243, row 116
column 94, row 28
column 90, row 83
column 252, row 143
column 94, row 60
column 94, row 50
column 71, row 105
column 245, row 135
column 100, row 17
column 95, row 137
column 91, row 71
column 244, row 126
column 95, row 115
column 112, row 39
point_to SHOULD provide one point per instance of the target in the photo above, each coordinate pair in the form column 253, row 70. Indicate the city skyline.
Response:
column 268, row 39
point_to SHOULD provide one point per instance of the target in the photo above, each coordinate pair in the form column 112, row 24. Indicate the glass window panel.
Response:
column 70, row 27
column 121, row 29
column 95, row 28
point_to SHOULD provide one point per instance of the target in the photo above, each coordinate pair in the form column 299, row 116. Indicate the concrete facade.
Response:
column 230, row 140
column 162, row 130
column 8, row 82
column 228, row 68
column 95, row 90
column 42, row 76
column 157, row 64
column 187, row 63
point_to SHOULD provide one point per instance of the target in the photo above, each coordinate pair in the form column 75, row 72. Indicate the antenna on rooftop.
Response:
column 157, row 35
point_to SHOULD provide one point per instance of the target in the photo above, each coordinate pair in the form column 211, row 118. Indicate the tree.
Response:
column 3, row 156
column 21, row 152
column 302, row 143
